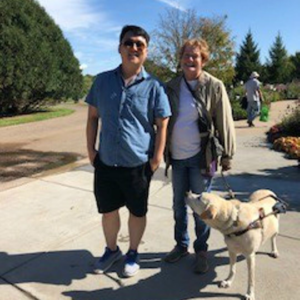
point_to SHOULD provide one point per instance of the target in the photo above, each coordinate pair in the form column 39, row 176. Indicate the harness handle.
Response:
column 280, row 207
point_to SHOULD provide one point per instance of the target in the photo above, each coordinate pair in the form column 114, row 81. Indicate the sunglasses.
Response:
column 130, row 44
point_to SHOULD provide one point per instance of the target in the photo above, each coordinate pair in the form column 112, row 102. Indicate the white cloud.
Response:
column 83, row 66
column 73, row 14
column 174, row 3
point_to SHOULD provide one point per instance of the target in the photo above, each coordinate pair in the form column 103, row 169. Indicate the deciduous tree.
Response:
column 176, row 26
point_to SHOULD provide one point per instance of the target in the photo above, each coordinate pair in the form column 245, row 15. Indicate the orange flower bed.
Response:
column 290, row 145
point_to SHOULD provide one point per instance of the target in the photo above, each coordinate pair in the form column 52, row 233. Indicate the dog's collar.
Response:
column 232, row 221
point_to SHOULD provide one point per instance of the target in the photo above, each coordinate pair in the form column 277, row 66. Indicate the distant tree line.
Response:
column 37, row 63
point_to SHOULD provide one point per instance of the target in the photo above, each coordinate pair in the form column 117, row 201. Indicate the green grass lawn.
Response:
column 38, row 116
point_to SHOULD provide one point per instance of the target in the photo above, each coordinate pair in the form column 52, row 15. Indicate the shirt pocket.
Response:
column 109, row 105
column 139, row 104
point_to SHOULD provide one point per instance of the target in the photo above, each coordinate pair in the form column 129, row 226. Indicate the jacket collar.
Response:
column 174, row 84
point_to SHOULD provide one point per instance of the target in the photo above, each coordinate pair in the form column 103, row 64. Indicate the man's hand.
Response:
column 160, row 142
column 92, row 155
column 91, row 132
column 225, row 163
column 154, row 164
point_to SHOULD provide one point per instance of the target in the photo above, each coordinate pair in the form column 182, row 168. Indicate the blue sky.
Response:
column 93, row 26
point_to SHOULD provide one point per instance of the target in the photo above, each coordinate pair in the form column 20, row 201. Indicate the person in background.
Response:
column 186, row 150
column 254, row 97
column 134, row 112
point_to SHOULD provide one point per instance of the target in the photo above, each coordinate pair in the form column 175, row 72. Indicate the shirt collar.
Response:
column 142, row 75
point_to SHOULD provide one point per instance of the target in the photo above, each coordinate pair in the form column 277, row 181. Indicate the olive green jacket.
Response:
column 212, row 91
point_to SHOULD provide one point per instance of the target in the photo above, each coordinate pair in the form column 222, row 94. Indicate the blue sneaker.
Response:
column 107, row 260
column 131, row 266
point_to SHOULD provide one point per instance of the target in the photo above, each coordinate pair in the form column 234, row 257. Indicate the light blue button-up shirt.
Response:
column 127, row 115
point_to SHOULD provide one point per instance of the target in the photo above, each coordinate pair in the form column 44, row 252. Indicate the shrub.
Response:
column 291, row 123
column 236, row 94
column 293, row 90
column 275, row 133
column 237, row 112
column 270, row 95
column 36, row 61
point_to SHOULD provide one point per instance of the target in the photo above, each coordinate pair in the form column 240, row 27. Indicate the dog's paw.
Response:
column 225, row 284
column 249, row 297
column 274, row 254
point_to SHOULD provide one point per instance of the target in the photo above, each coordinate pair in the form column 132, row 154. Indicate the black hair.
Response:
column 136, row 30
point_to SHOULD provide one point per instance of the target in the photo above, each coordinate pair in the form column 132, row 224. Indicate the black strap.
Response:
column 203, row 107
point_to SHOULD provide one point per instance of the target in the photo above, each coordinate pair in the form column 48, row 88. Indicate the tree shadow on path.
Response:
column 173, row 282
column 284, row 182
column 17, row 163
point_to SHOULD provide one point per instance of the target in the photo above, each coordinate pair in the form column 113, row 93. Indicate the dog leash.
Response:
column 279, row 207
column 231, row 194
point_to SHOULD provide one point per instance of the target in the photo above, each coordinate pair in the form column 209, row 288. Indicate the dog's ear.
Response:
column 210, row 213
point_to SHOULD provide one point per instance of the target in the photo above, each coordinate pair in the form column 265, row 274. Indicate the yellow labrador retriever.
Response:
column 245, row 226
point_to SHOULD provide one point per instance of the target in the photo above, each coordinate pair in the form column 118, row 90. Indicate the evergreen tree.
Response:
column 279, row 66
column 295, row 59
column 36, row 61
column 247, row 60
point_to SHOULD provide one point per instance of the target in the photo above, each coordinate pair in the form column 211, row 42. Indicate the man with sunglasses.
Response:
column 134, row 112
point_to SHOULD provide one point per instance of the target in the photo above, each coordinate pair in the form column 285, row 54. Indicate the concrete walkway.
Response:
column 51, row 234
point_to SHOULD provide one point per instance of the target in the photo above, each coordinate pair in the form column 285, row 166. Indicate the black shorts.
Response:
column 115, row 187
